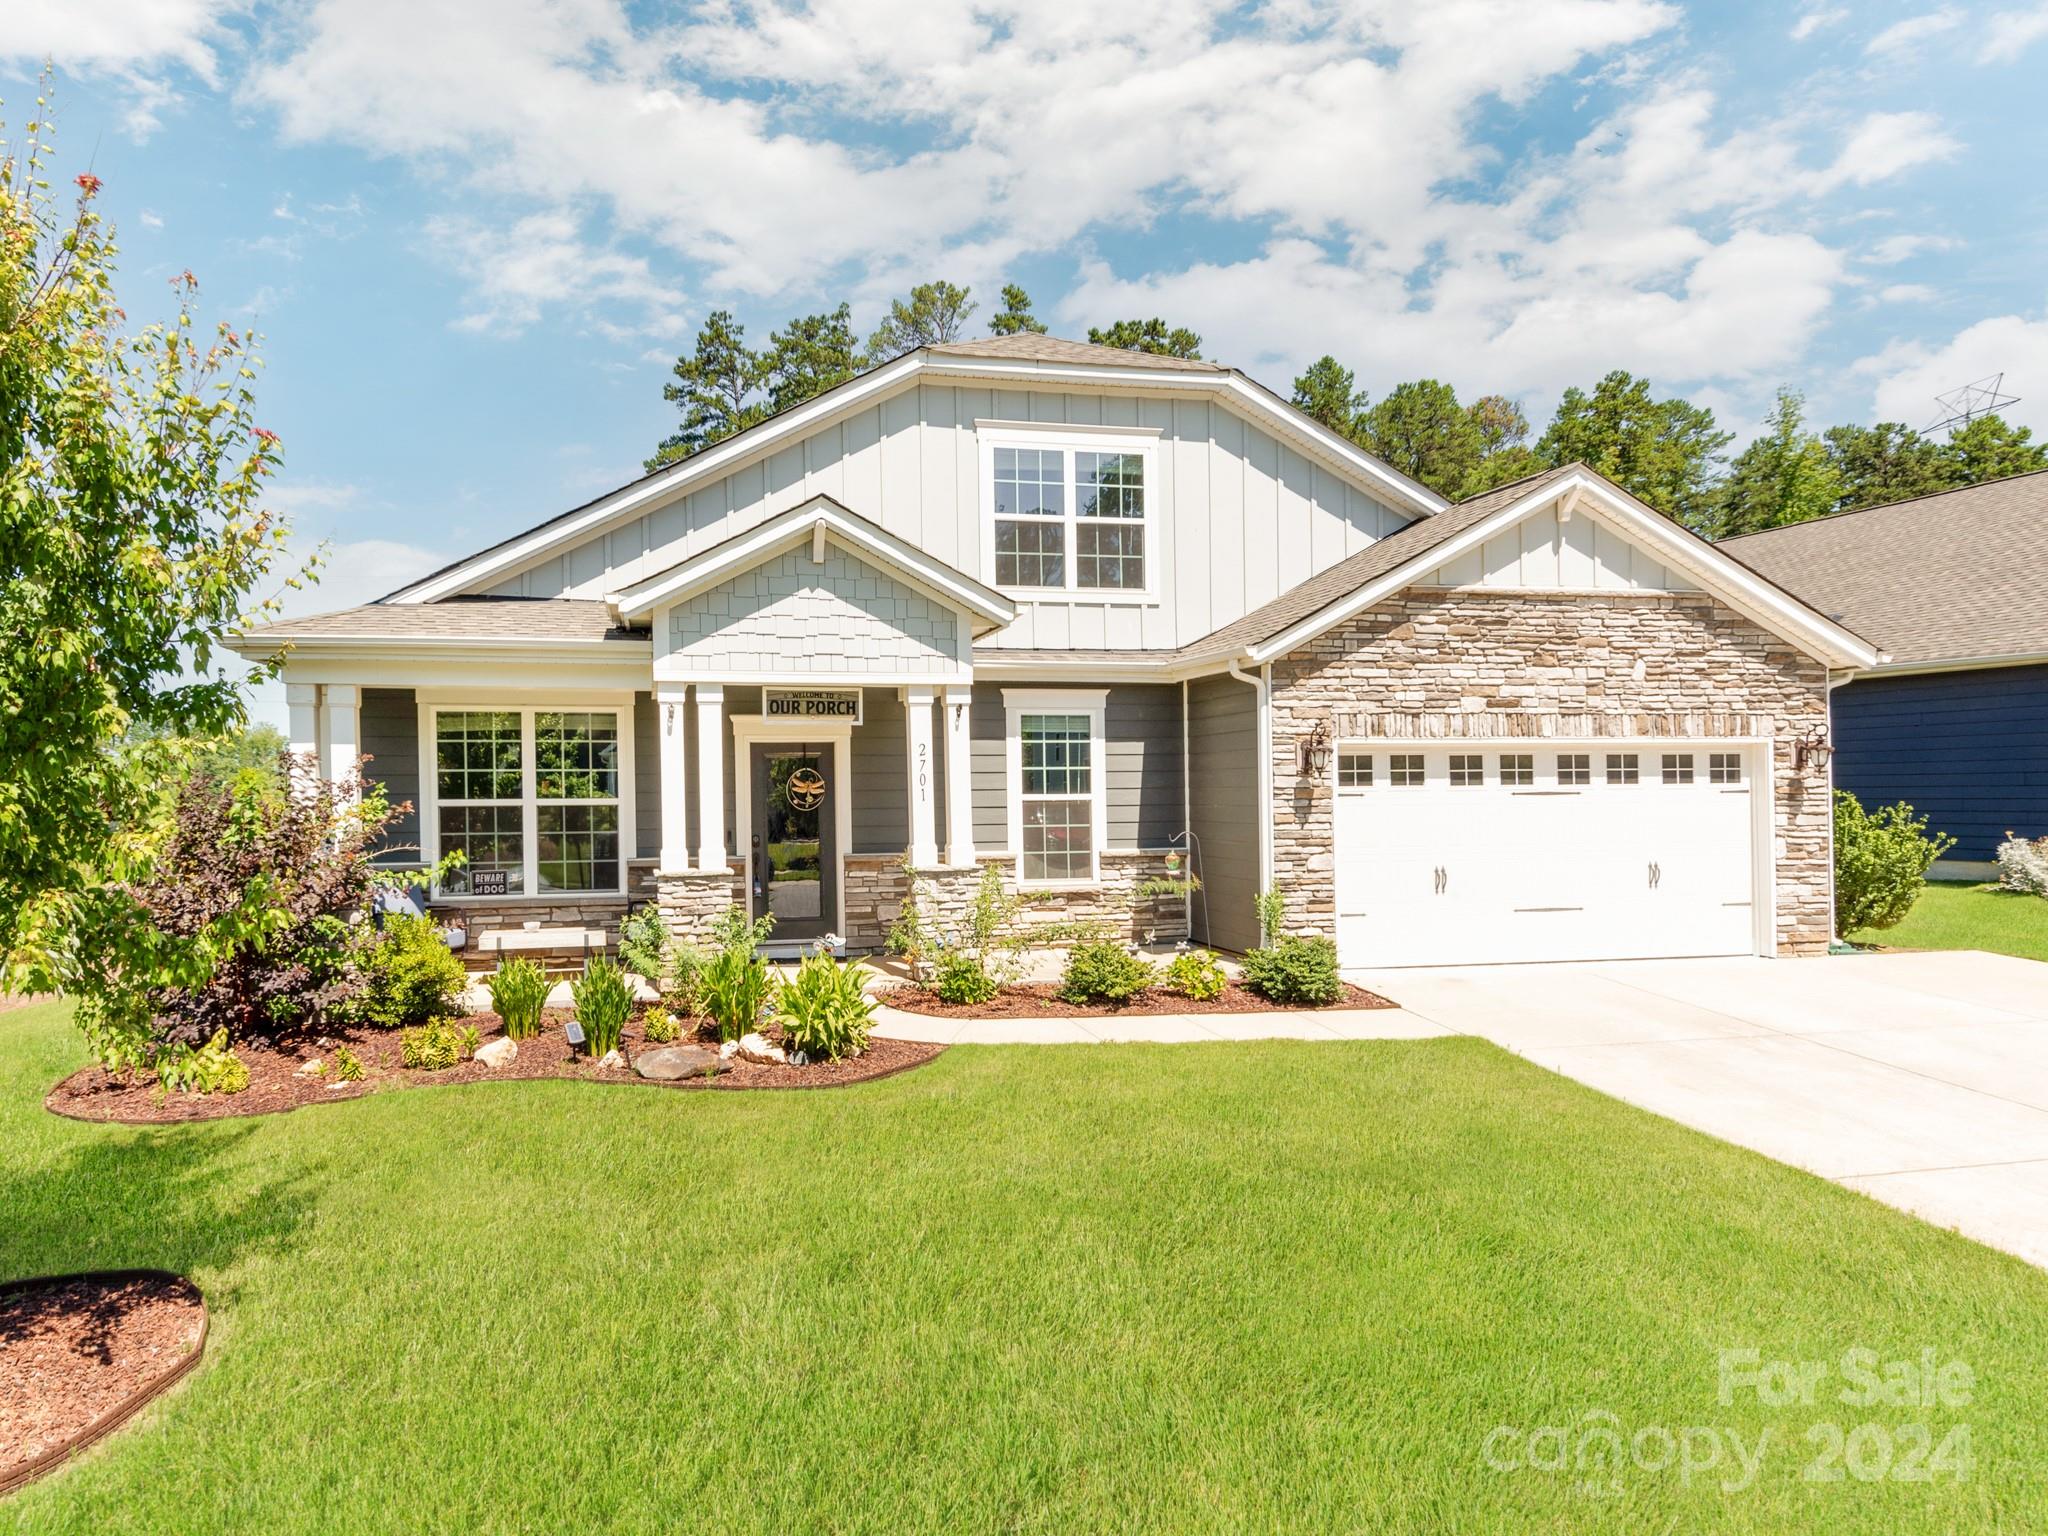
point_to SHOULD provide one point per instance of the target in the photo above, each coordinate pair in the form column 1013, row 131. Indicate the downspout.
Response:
column 1187, row 818
column 1263, row 686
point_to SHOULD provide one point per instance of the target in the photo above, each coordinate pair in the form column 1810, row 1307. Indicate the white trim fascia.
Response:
column 1081, row 428
column 526, row 674
column 788, row 529
column 673, row 671
column 406, row 645
column 631, row 500
column 1719, row 576
column 1886, row 667
column 1092, row 702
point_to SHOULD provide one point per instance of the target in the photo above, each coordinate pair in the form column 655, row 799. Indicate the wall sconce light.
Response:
column 1315, row 751
column 1813, row 749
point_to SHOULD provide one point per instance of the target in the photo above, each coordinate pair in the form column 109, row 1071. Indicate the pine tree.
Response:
column 932, row 313
column 1152, row 335
column 716, row 387
column 1015, row 315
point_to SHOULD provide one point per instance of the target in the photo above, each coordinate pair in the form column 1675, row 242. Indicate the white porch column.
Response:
column 671, row 701
column 959, row 779
column 302, row 702
column 711, row 748
column 342, row 707
column 924, row 842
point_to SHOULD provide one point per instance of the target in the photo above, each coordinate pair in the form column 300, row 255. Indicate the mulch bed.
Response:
column 1041, row 1000
column 93, row 1093
column 80, row 1354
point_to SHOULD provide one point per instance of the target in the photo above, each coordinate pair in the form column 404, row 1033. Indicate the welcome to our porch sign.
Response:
column 811, row 704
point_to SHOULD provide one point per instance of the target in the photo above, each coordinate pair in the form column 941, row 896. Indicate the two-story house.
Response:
column 1104, row 619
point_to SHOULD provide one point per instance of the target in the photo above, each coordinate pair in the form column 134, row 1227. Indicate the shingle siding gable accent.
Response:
column 1444, row 665
column 839, row 616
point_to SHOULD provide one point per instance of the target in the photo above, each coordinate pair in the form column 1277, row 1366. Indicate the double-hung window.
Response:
column 1056, row 781
column 1072, row 515
column 532, row 798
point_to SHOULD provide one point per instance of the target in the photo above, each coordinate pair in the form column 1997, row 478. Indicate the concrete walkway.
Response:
column 1920, row 1079
column 1165, row 1028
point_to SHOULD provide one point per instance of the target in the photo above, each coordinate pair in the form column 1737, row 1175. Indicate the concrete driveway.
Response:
column 1921, row 1079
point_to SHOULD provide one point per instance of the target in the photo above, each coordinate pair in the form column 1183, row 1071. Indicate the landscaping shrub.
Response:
column 1297, row 969
column 1272, row 909
column 603, row 999
column 824, row 1008
column 732, row 990
column 239, row 921
column 960, row 977
column 436, row 1045
column 347, row 1068
column 660, row 1026
column 1104, row 970
column 644, row 945
column 1196, row 974
column 2023, row 864
column 408, row 974
column 210, row 1068
column 519, row 989
column 1881, row 861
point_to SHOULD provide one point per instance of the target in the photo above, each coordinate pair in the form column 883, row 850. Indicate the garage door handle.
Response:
column 1656, row 875
column 1443, row 880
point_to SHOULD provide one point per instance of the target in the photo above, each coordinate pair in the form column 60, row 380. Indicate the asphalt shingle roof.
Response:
column 1053, row 349
column 461, row 618
column 1951, row 577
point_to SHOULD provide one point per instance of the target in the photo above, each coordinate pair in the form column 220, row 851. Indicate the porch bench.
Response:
column 547, row 943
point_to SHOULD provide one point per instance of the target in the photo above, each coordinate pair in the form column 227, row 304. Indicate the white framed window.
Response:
column 1724, row 767
column 539, row 800
column 1517, row 769
column 1057, row 783
column 1468, row 770
column 1071, row 510
column 1622, row 768
column 1404, row 770
column 1677, row 767
column 1354, row 770
column 1574, row 768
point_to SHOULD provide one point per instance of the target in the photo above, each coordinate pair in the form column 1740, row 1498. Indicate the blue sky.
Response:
column 475, row 235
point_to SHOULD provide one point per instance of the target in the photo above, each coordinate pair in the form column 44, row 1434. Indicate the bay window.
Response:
column 535, row 799
column 1056, row 783
column 1072, row 516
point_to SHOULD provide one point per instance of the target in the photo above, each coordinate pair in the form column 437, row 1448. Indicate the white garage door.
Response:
column 1507, row 851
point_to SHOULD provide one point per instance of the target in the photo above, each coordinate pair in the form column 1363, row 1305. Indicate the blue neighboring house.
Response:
column 1954, row 589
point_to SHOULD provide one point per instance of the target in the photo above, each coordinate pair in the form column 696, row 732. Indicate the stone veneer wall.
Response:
column 690, row 900
column 605, row 912
column 876, row 889
column 1449, row 665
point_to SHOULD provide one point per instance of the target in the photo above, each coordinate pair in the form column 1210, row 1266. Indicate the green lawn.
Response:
column 1285, row 1286
column 1957, row 915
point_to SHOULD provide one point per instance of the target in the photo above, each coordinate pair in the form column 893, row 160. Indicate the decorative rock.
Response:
column 676, row 1061
column 756, row 1048
column 499, row 1053
column 799, row 1059
column 728, row 1049
column 611, row 1059
column 311, row 1068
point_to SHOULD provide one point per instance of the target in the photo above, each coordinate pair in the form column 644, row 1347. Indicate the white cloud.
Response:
column 1885, row 144
column 2010, row 33
column 1901, row 36
column 1893, row 249
column 1814, row 20
column 1908, row 375
column 543, row 261
column 1907, row 293
column 133, row 41
column 150, row 219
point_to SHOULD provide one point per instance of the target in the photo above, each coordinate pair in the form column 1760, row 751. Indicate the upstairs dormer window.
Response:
column 1070, row 514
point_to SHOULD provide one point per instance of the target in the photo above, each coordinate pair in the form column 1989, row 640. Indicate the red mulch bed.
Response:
column 81, row 1353
column 93, row 1093
column 1041, row 1000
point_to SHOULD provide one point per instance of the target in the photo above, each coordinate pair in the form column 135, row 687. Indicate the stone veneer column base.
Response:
column 690, row 899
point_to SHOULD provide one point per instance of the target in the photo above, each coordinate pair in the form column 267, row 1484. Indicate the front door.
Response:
column 793, row 866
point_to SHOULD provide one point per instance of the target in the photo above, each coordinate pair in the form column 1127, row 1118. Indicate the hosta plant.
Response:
column 603, row 999
column 519, row 989
column 825, row 1009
